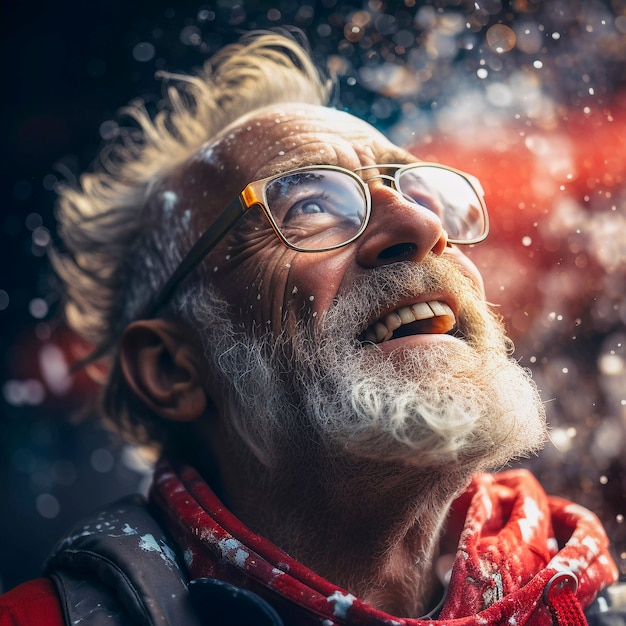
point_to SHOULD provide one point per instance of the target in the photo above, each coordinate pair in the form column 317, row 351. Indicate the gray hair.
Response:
column 118, row 247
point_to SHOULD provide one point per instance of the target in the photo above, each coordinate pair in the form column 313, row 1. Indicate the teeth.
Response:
column 393, row 321
column 406, row 315
column 422, row 311
column 381, row 333
column 440, row 308
column 383, row 329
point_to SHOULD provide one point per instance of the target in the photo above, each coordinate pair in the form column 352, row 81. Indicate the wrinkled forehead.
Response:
column 266, row 142
column 282, row 137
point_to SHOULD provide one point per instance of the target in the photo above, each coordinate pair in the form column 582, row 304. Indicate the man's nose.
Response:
column 399, row 230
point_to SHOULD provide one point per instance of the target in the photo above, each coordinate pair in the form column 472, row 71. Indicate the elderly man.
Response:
column 286, row 312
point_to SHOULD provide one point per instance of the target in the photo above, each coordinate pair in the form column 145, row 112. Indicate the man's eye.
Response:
column 309, row 207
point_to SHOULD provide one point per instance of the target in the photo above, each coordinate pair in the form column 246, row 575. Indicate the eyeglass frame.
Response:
column 253, row 195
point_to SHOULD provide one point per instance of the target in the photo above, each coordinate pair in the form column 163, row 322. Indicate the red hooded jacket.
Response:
column 523, row 558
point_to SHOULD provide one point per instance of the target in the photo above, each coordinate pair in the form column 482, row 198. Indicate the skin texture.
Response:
column 381, row 548
column 256, row 263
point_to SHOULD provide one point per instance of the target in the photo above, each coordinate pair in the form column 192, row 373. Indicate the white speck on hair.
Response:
column 248, row 127
column 314, row 314
column 322, row 151
column 205, row 193
column 603, row 605
column 215, row 269
column 258, row 296
column 129, row 530
column 512, row 621
column 342, row 603
column 281, row 153
column 277, row 121
column 231, row 136
column 228, row 257
column 287, row 265
column 294, row 290
column 169, row 201
column 311, row 298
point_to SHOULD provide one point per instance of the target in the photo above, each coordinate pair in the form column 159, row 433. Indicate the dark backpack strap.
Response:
column 229, row 605
column 87, row 602
column 117, row 567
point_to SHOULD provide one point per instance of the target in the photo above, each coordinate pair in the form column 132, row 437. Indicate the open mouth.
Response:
column 422, row 318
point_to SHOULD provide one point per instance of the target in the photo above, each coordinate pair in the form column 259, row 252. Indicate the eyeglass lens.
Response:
column 315, row 209
column 447, row 194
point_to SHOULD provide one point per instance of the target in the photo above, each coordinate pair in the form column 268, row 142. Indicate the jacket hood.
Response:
column 523, row 557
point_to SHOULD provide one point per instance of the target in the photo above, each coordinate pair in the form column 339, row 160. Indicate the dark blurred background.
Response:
column 529, row 95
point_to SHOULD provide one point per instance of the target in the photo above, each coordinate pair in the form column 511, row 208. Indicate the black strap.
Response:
column 118, row 567
column 229, row 605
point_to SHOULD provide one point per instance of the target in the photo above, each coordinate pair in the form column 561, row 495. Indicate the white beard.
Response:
column 463, row 404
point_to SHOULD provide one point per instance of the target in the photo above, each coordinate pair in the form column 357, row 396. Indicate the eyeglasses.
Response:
column 324, row 207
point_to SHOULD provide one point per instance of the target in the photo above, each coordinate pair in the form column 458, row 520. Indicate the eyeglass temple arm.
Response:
column 209, row 239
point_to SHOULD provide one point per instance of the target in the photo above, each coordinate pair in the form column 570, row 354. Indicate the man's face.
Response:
column 383, row 347
column 269, row 283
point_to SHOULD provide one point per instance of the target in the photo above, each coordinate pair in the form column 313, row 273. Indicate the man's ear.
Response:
column 162, row 365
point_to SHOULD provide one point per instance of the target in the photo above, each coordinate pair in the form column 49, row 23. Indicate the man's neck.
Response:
column 371, row 529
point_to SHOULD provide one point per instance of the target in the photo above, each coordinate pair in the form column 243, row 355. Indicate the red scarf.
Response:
column 523, row 557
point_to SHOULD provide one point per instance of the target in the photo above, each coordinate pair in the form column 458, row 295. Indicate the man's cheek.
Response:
column 316, row 281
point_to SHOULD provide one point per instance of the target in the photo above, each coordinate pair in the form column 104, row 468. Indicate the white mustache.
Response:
column 356, row 306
